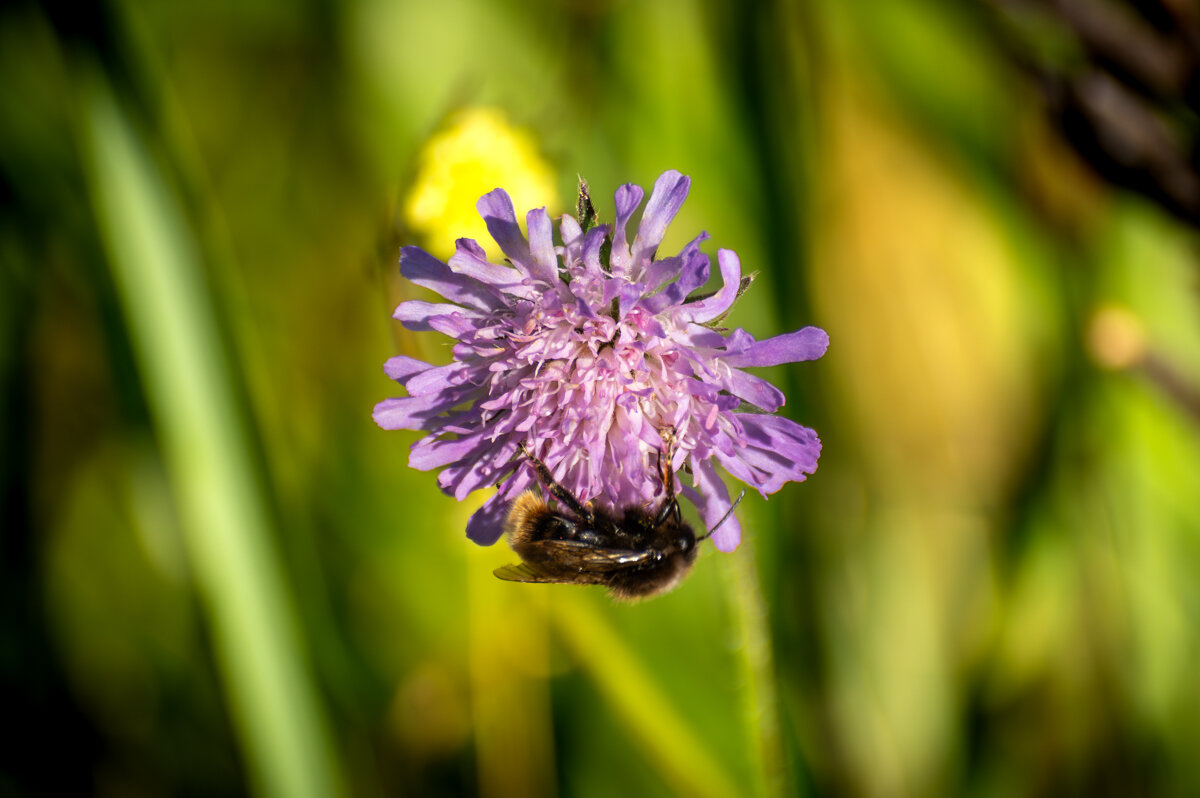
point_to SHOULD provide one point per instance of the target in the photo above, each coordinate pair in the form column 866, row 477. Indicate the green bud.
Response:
column 585, row 212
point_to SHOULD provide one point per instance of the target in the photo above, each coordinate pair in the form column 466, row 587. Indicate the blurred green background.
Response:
column 219, row 577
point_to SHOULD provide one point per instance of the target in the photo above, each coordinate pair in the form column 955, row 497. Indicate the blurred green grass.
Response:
column 988, row 587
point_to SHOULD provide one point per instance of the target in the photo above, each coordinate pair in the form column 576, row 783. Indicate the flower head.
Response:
column 584, row 351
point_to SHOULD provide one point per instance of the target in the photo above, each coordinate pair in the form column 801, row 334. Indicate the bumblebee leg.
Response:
column 664, row 460
column 670, row 507
column 556, row 489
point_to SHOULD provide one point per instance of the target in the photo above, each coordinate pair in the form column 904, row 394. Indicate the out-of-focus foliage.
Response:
column 218, row 576
column 478, row 150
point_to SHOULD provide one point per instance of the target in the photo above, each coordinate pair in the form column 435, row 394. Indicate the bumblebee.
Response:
column 641, row 553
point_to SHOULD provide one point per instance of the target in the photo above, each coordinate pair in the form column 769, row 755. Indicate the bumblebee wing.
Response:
column 569, row 562
column 572, row 556
column 521, row 572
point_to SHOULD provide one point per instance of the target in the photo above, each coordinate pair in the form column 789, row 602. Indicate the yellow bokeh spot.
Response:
column 478, row 150
column 1116, row 338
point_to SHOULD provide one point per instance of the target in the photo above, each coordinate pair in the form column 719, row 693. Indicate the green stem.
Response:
column 757, row 664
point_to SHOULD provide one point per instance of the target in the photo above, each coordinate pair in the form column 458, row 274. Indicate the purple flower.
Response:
column 585, row 355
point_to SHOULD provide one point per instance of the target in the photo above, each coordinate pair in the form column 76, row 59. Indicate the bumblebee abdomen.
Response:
column 651, row 579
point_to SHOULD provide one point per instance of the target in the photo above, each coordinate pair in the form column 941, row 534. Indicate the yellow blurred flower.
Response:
column 477, row 151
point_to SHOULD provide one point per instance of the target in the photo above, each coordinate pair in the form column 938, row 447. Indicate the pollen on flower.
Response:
column 582, row 349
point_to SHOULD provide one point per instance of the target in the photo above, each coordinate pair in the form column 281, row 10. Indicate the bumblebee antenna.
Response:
column 728, row 513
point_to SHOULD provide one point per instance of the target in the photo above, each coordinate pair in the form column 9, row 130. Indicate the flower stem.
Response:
column 757, row 665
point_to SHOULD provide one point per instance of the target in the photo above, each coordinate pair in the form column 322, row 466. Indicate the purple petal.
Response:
column 808, row 343
column 541, row 246
column 670, row 190
column 411, row 412
column 648, row 326
column 592, row 243
column 665, row 269
column 438, row 379
column 488, row 467
column 470, row 260
column 715, row 503
column 702, row 338
column 628, row 297
column 584, row 309
column 696, row 267
column 670, row 296
column 570, row 230
column 627, row 199
column 433, row 452
column 703, row 390
column 417, row 315
column 497, row 211
column 427, row 271
column 798, row 443
column 720, row 302
column 755, row 390
column 693, row 272
column 659, row 272
column 775, row 451
column 738, row 342
column 487, row 523
column 455, row 325
column 402, row 368
column 612, row 289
